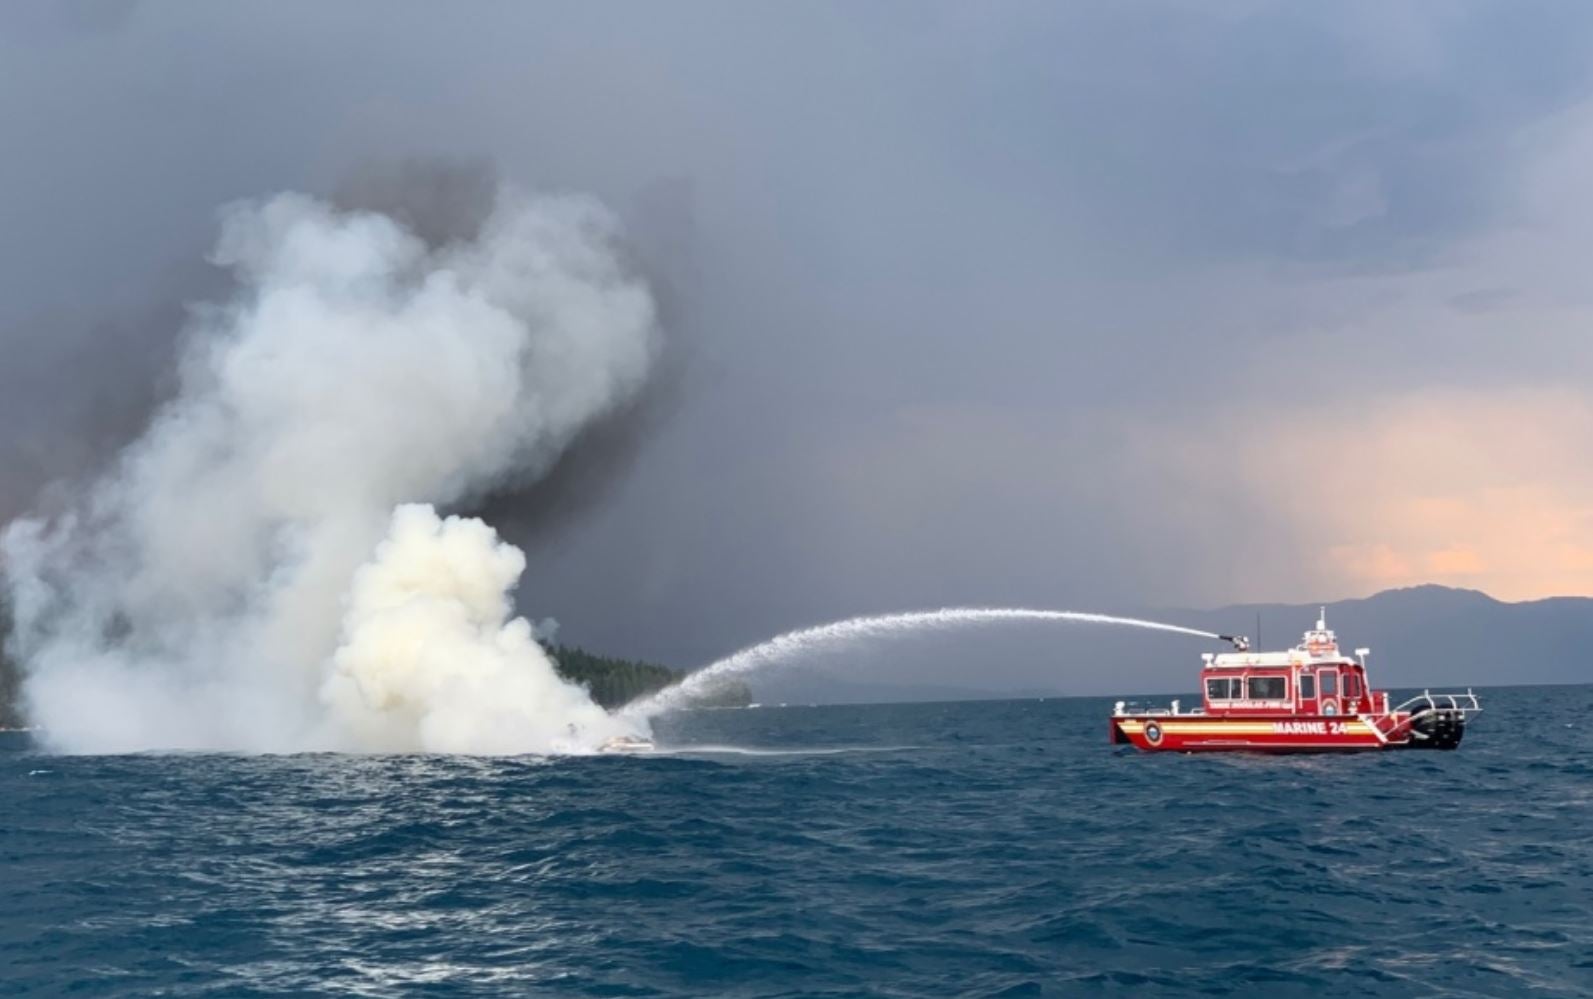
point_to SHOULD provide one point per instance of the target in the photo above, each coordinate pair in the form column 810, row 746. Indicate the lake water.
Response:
column 986, row 848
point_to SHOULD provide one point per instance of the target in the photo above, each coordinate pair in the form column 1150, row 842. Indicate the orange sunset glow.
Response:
column 1491, row 494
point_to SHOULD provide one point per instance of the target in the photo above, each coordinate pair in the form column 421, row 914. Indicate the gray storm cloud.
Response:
column 203, row 592
column 957, row 279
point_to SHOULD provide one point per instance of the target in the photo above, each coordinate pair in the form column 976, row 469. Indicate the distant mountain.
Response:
column 824, row 687
column 1421, row 636
column 1430, row 634
column 1424, row 636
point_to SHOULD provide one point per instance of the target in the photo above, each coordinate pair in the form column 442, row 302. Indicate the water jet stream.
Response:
column 792, row 643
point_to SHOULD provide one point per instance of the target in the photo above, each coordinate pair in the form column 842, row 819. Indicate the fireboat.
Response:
column 1311, row 698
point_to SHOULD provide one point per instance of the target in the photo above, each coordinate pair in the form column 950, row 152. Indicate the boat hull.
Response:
column 1259, row 734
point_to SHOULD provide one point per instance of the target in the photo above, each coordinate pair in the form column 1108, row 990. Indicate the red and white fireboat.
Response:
column 1311, row 698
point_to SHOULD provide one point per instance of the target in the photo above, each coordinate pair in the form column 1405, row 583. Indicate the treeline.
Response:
column 612, row 682
column 616, row 682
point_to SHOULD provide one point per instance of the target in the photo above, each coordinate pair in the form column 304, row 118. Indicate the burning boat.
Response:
column 1311, row 698
column 626, row 744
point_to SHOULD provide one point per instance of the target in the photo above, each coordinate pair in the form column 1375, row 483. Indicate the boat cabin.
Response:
column 1311, row 698
column 1313, row 678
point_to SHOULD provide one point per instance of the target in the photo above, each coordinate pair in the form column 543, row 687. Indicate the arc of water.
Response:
column 783, row 646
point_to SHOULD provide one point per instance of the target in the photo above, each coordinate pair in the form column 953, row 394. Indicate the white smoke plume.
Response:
column 194, row 598
column 431, row 662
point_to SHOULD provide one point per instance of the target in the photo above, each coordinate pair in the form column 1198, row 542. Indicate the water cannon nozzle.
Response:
column 1241, row 643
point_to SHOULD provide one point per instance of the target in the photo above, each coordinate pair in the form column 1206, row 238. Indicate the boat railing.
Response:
column 1464, row 704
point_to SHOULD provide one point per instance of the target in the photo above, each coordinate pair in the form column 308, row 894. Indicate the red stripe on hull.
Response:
column 1278, row 734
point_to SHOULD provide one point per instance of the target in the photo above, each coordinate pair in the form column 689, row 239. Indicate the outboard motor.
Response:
column 1433, row 727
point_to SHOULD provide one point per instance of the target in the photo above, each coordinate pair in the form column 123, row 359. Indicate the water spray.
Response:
column 792, row 643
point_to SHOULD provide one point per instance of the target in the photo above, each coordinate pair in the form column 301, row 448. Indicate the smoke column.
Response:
column 207, row 591
column 431, row 660
column 793, row 643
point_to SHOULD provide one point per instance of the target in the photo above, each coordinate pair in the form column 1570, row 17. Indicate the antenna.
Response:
column 1258, row 630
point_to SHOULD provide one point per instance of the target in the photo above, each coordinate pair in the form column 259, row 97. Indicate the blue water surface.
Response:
column 985, row 849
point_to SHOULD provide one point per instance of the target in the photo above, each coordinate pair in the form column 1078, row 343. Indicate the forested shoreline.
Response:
column 612, row 682
column 616, row 682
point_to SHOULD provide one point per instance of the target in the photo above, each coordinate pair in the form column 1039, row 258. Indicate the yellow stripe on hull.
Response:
column 1352, row 726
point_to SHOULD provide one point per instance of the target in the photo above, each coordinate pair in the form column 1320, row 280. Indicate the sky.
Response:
column 1094, row 305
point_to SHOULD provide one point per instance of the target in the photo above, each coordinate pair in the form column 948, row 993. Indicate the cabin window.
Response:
column 1222, row 688
column 1352, row 685
column 1307, row 687
column 1266, row 688
column 1330, row 685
